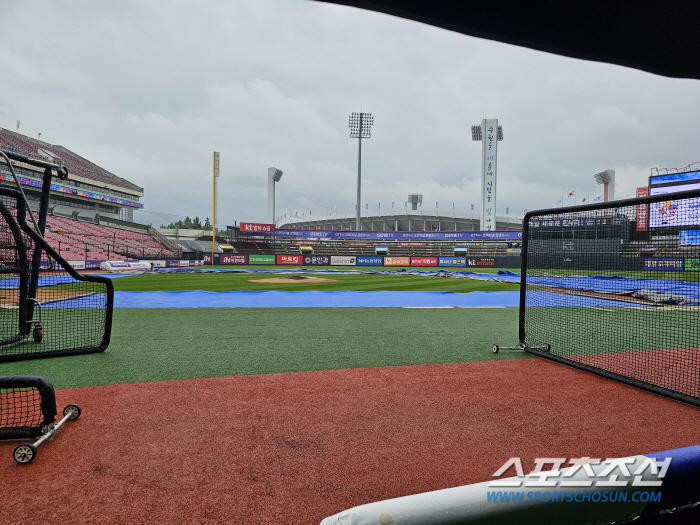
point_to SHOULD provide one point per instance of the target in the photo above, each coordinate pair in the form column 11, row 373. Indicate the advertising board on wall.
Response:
column 290, row 259
column 397, row 261
column 663, row 264
column 402, row 236
column 261, row 259
column 255, row 227
column 481, row 261
column 424, row 261
column 452, row 261
column 343, row 260
column 370, row 261
column 642, row 211
column 317, row 260
column 233, row 258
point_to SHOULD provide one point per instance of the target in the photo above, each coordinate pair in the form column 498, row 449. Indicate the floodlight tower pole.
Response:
column 607, row 179
column 489, row 133
column 273, row 176
column 360, row 127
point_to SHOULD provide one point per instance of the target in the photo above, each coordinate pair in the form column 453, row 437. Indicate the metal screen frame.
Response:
column 18, row 225
column 678, row 396
column 47, row 406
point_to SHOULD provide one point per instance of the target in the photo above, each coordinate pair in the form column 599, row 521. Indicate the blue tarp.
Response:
column 318, row 299
column 310, row 299
column 617, row 284
column 58, row 279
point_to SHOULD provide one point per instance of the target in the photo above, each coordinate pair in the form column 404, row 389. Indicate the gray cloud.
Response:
column 148, row 90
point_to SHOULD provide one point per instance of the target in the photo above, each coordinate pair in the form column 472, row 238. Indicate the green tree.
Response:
column 188, row 223
column 196, row 224
column 207, row 224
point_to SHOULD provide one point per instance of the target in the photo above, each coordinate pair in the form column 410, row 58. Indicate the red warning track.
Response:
column 294, row 448
column 677, row 369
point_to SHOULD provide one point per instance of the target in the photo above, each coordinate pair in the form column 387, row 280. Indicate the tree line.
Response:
column 189, row 224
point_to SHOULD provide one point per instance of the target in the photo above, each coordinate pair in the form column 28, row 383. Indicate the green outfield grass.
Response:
column 224, row 282
column 161, row 344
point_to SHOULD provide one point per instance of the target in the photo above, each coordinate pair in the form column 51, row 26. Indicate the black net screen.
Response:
column 27, row 406
column 46, row 307
column 614, row 289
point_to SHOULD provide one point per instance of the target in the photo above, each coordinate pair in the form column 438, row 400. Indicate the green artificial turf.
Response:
column 224, row 282
column 161, row 344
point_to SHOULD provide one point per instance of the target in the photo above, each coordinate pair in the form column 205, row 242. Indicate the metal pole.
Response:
column 358, row 218
column 213, row 222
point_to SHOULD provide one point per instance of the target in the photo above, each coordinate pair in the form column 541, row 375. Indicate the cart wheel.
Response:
column 38, row 334
column 547, row 347
column 495, row 349
column 25, row 453
column 73, row 410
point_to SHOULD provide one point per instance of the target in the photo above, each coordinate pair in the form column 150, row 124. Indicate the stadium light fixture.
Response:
column 607, row 179
column 360, row 128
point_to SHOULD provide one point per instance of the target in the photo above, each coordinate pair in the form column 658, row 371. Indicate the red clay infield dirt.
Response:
column 294, row 448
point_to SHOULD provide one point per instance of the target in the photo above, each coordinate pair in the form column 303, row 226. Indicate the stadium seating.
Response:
column 79, row 240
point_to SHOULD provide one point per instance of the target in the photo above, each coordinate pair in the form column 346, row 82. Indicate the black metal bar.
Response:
column 36, row 256
column 60, row 170
column 523, row 277
column 23, row 269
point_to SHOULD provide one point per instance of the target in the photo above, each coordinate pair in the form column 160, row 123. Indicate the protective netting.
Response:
column 20, row 407
column 27, row 406
column 614, row 289
column 46, row 308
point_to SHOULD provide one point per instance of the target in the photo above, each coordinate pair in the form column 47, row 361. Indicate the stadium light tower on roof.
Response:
column 360, row 128
column 489, row 133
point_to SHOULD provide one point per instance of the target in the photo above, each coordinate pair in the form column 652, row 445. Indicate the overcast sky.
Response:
column 149, row 89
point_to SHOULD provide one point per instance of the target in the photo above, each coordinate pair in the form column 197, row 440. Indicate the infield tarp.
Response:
column 348, row 299
column 655, row 290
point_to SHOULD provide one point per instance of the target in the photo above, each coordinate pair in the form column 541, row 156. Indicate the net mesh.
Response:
column 616, row 290
column 46, row 308
column 20, row 408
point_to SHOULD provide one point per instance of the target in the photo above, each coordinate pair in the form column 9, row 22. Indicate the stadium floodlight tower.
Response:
column 273, row 175
column 360, row 128
column 414, row 199
column 489, row 133
column 607, row 179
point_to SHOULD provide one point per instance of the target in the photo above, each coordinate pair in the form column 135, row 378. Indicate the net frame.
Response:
column 44, row 257
column 27, row 406
column 545, row 351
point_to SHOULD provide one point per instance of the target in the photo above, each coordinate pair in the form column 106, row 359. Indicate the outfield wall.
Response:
column 95, row 265
column 363, row 260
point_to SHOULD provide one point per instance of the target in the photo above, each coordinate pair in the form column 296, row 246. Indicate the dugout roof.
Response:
column 654, row 36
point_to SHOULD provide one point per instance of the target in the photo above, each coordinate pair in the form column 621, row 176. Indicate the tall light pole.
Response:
column 360, row 128
column 273, row 176
column 489, row 133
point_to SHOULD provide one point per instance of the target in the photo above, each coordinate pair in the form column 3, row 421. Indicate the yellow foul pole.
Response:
column 213, row 225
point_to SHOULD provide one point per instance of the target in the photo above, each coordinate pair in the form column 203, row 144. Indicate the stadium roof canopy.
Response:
column 660, row 37
column 76, row 165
